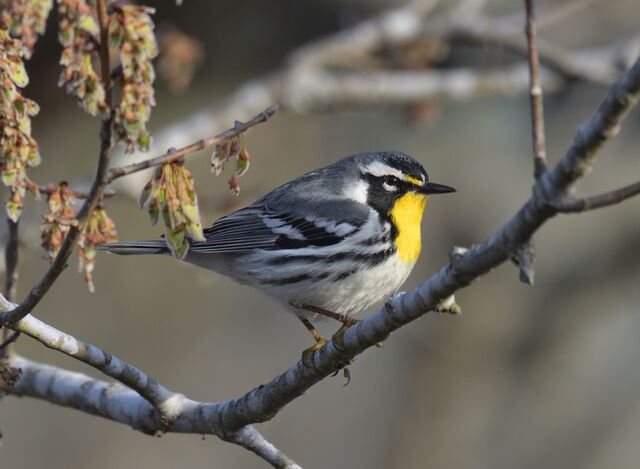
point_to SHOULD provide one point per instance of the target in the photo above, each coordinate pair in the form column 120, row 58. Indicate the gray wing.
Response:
column 292, row 216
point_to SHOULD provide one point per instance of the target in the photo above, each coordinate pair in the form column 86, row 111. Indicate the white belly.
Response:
column 351, row 295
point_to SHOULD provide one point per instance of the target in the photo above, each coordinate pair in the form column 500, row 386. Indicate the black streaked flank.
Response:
column 294, row 279
column 371, row 259
column 344, row 275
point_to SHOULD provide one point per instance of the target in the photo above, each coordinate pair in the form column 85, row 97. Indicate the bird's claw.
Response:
column 308, row 353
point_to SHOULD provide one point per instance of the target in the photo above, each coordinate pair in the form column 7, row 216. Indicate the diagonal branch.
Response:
column 165, row 401
column 248, row 437
column 76, row 194
column 116, row 402
column 173, row 154
column 8, row 338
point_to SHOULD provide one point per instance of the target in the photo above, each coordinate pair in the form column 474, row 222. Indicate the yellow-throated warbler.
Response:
column 332, row 242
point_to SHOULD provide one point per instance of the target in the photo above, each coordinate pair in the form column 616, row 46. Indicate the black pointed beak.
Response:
column 433, row 188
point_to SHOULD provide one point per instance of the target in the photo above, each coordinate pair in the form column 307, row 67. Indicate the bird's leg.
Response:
column 346, row 321
column 343, row 318
column 320, row 341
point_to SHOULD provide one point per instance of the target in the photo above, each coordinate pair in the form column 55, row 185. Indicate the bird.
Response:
column 332, row 242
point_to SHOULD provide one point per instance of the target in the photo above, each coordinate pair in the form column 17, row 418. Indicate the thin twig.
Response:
column 249, row 438
column 105, row 66
column 11, row 260
column 100, row 181
column 598, row 201
column 8, row 339
column 60, row 221
column 553, row 14
column 173, row 155
column 78, row 195
column 535, row 95
column 11, row 255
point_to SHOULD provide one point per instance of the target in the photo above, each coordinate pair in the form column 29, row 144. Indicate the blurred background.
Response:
column 543, row 376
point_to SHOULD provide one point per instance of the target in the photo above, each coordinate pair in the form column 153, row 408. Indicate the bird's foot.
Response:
column 346, row 324
column 308, row 352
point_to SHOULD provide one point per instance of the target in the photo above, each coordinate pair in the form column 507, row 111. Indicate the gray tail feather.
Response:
column 135, row 247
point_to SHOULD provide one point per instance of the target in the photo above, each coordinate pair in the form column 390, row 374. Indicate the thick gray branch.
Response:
column 164, row 400
column 121, row 404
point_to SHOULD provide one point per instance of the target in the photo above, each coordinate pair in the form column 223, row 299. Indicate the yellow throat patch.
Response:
column 406, row 214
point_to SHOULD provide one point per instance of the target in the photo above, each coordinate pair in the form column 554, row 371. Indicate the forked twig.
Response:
column 574, row 205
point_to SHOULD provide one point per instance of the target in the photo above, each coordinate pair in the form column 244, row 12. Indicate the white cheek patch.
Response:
column 357, row 191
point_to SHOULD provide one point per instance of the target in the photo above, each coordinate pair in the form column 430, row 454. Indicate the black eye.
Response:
column 391, row 180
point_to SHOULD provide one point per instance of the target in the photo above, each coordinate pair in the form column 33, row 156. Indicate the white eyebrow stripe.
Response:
column 377, row 168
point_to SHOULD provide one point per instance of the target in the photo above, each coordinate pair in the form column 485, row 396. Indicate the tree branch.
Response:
column 573, row 205
column 157, row 395
column 11, row 261
column 321, row 89
column 339, row 48
column 535, row 96
column 603, row 125
column 77, row 194
column 249, row 438
column 11, row 254
column 173, row 155
column 9, row 338
column 116, row 402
